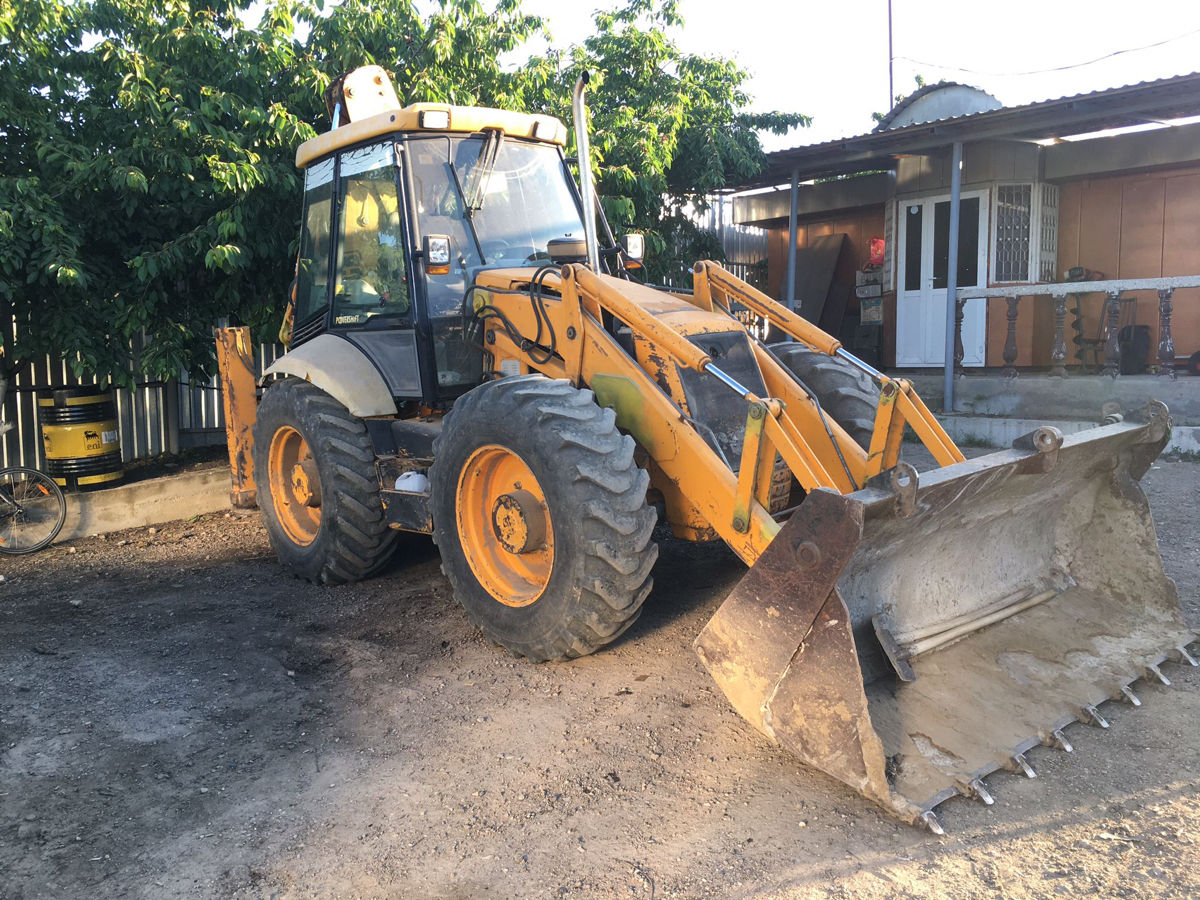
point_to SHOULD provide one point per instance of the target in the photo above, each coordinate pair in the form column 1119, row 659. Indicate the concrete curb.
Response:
column 149, row 502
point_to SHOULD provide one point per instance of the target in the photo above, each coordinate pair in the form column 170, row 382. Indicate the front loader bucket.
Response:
column 917, row 635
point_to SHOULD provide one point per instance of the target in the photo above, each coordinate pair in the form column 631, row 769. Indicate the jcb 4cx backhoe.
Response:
column 468, row 359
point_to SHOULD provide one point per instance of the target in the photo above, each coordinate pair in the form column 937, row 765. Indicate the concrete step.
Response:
column 149, row 502
column 1075, row 398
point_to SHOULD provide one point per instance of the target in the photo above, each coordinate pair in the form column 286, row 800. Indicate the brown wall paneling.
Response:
column 1041, row 311
column 997, row 331
column 1181, row 256
column 860, row 225
column 1142, row 242
column 1100, row 226
column 1068, row 226
column 1185, row 322
column 776, row 260
column 1139, row 225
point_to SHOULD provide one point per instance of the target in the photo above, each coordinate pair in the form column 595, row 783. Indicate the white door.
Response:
column 923, row 256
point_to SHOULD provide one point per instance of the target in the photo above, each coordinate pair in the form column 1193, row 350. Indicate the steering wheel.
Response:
column 493, row 249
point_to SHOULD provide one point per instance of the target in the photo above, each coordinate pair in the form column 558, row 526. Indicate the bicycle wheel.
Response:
column 32, row 510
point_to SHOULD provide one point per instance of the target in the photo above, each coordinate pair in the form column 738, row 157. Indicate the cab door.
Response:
column 372, row 298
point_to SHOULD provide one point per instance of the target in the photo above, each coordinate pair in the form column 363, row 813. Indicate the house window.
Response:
column 1014, row 214
column 1026, row 234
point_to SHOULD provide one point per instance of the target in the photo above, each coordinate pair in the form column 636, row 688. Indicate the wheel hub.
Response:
column 504, row 525
column 519, row 522
column 295, row 485
column 306, row 484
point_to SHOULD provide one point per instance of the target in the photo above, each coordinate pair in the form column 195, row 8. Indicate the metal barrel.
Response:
column 81, row 436
column 917, row 635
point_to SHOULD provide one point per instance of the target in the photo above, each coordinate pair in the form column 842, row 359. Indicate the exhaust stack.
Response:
column 586, row 187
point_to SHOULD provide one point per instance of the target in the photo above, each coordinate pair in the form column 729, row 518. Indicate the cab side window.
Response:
column 312, row 275
column 438, row 164
column 371, row 273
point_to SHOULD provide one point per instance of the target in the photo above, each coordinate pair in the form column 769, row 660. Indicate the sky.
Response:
column 829, row 59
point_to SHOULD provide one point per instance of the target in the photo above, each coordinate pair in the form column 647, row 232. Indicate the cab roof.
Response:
column 462, row 119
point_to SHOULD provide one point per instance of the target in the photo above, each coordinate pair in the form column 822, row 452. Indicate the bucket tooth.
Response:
column 1130, row 696
column 1095, row 717
column 1186, row 657
column 1061, row 742
column 1022, row 765
column 981, row 792
column 931, row 822
column 1158, row 673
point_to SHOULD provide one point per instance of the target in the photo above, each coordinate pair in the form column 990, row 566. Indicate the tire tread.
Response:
column 597, row 464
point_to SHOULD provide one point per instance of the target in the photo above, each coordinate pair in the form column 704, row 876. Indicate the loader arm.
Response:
column 899, row 403
column 784, row 420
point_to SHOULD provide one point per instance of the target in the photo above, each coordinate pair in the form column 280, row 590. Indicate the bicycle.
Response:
column 32, row 510
column 32, row 506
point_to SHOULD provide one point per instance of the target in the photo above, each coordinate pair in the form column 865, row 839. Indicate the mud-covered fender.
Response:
column 341, row 370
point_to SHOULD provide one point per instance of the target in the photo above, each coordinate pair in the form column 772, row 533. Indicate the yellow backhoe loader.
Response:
column 467, row 358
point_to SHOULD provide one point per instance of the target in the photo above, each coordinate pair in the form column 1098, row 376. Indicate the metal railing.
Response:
column 1114, row 291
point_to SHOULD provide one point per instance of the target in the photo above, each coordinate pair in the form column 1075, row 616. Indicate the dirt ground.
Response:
column 179, row 718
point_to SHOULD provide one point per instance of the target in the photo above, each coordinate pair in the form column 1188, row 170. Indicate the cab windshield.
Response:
column 499, row 200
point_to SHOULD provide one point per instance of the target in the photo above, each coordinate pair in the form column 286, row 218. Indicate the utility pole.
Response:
column 891, row 62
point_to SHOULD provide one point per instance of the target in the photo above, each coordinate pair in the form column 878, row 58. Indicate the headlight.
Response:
column 435, row 119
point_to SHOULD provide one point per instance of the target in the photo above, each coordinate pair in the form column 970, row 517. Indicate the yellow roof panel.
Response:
column 463, row 119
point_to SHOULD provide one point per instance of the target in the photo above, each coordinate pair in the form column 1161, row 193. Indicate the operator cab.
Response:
column 402, row 210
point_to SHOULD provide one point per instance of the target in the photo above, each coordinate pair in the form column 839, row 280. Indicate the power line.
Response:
column 1089, row 62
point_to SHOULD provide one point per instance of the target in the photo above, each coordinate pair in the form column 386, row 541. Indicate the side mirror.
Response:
column 437, row 254
column 633, row 249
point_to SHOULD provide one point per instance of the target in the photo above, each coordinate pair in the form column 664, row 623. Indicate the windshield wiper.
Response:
column 467, row 212
column 482, row 173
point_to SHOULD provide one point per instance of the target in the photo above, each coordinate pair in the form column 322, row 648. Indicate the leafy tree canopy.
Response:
column 147, row 183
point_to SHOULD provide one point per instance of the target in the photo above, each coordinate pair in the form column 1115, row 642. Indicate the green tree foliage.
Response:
column 147, row 170
column 668, row 128
column 147, row 183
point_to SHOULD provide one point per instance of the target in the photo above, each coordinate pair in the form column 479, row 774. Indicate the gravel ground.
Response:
column 179, row 718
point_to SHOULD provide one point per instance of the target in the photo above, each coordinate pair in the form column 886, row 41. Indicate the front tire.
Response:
column 847, row 395
column 314, row 468
column 540, row 514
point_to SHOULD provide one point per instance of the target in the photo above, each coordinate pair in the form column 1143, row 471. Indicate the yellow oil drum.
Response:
column 81, row 436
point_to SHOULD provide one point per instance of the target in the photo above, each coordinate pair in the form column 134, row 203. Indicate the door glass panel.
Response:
column 372, row 277
column 312, row 269
column 968, row 242
column 912, row 247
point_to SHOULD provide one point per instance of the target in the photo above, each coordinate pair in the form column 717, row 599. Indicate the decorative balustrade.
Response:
column 1113, row 290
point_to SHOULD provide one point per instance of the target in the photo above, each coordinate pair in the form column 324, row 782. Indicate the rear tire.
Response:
column 547, row 448
column 847, row 396
column 308, row 447
column 32, row 510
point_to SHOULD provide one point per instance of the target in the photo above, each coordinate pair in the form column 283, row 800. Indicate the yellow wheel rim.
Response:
column 504, row 526
column 295, row 486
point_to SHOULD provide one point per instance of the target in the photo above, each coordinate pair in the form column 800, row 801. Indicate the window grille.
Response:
column 1014, row 213
column 1048, row 237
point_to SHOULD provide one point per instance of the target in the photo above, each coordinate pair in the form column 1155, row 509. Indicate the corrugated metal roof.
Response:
column 1118, row 107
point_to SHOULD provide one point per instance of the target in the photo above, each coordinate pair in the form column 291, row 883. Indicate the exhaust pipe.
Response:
column 586, row 187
